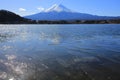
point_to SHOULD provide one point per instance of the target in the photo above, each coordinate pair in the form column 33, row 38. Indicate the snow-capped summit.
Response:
column 58, row 8
column 60, row 12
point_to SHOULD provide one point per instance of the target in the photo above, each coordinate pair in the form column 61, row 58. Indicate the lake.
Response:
column 60, row 52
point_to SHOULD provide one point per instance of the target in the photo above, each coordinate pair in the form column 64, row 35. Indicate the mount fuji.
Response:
column 60, row 12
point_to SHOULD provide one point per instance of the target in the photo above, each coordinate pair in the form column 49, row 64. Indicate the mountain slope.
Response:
column 60, row 12
column 10, row 17
column 6, row 16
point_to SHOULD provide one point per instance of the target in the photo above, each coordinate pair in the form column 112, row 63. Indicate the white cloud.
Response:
column 41, row 8
column 22, row 9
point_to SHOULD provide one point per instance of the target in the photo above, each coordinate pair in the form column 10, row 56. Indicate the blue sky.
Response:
column 96, row 7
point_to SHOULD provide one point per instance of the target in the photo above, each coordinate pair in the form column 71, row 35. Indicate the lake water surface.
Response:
column 60, row 52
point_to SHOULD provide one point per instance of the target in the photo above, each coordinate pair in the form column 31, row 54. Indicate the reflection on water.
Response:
column 59, row 52
column 54, row 38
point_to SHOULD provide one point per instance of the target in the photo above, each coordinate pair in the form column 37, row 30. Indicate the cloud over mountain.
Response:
column 22, row 9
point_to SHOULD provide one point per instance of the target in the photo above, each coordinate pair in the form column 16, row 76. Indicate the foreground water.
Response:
column 60, row 52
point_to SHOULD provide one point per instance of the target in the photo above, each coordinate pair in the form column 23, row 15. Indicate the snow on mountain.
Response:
column 60, row 12
column 58, row 8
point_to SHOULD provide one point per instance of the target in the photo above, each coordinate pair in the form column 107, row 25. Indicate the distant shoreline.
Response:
column 59, row 24
column 65, row 22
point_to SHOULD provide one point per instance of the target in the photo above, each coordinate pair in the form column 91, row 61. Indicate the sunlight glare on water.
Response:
column 60, row 52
